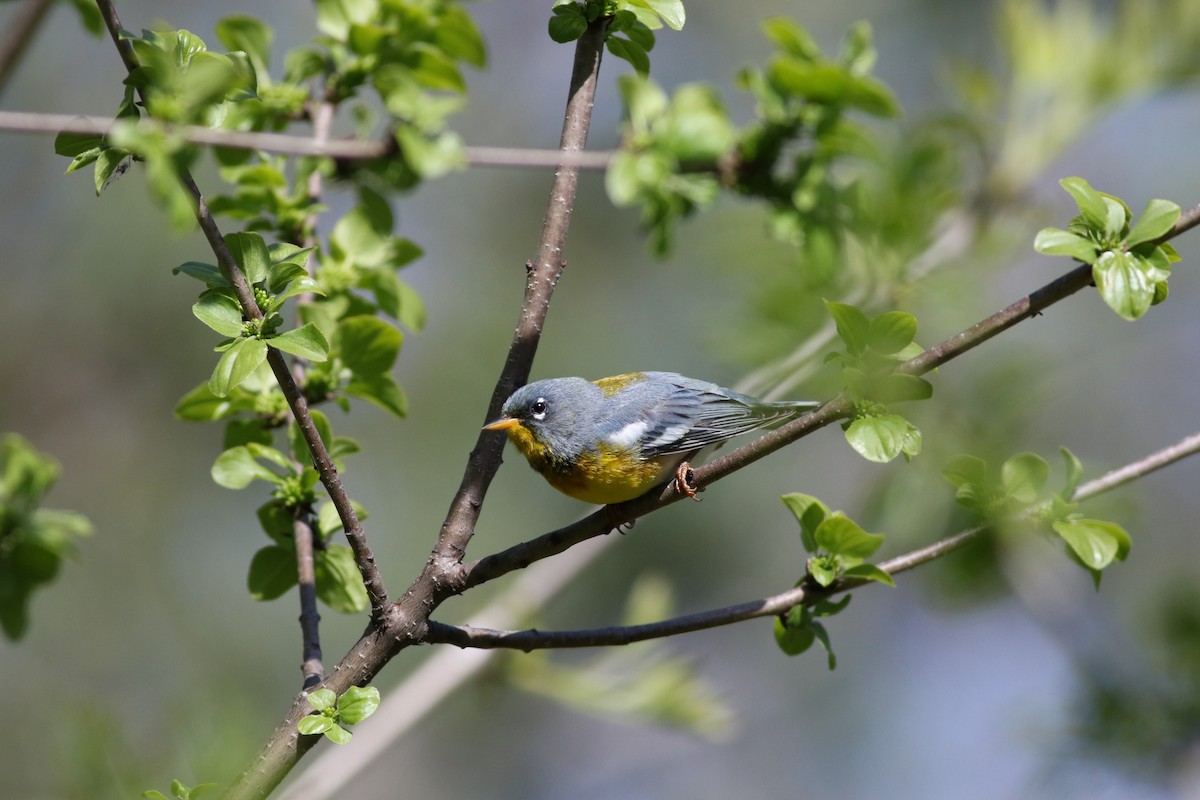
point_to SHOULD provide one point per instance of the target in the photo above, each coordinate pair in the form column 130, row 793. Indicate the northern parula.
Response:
column 611, row 440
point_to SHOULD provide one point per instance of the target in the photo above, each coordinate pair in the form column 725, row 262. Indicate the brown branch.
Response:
column 342, row 150
column 296, row 401
column 531, row 639
column 405, row 624
column 542, row 274
column 18, row 34
column 609, row 518
column 311, row 667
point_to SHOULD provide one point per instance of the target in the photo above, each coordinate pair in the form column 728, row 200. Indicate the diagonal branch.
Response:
column 608, row 518
column 533, row 639
column 18, row 34
column 355, row 535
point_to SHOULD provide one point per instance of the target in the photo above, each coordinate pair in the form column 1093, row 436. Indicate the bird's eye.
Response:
column 539, row 408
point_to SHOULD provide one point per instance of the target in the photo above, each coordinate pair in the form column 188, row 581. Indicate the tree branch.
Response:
column 355, row 535
column 342, row 150
column 18, row 34
column 542, row 274
column 608, row 518
column 533, row 639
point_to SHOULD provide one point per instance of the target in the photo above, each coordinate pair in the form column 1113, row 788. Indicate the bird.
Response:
column 613, row 439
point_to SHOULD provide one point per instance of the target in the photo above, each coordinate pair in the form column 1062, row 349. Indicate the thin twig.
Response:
column 311, row 667
column 298, row 404
column 337, row 149
column 18, row 34
column 530, row 639
column 608, row 518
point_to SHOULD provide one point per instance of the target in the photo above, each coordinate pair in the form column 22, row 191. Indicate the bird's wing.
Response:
column 685, row 416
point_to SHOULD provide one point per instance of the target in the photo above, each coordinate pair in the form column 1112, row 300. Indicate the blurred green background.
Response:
column 148, row 661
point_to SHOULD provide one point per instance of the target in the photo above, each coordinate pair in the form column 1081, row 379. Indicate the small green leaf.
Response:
column 1057, row 242
column 869, row 572
column 791, row 38
column 272, row 572
column 1091, row 202
column 853, row 327
column 249, row 250
column 314, row 724
column 236, row 364
column 1158, row 218
column 793, row 641
column 306, row 341
column 322, row 699
column 1074, row 473
column 567, row 23
column 219, row 311
column 367, row 345
column 840, row 535
column 809, row 512
column 1118, row 218
column 339, row 583
column 1095, row 542
column 881, row 438
column 899, row 387
column 380, row 389
column 1123, row 283
column 670, row 11
column 236, row 468
column 1023, row 477
column 201, row 405
column 251, row 36
column 629, row 51
column 824, row 569
column 357, row 703
column 202, row 272
column 338, row 735
column 891, row 332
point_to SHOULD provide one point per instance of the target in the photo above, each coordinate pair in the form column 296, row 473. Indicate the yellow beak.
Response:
column 502, row 424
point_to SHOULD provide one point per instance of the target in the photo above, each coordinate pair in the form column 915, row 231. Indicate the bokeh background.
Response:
column 147, row 660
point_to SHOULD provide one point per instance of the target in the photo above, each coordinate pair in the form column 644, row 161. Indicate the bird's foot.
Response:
column 685, row 479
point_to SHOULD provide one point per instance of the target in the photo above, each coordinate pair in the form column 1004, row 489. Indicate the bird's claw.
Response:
column 685, row 480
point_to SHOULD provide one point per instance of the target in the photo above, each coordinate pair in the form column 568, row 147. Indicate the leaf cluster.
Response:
column 1015, row 496
column 1130, row 265
column 678, row 152
column 874, row 347
column 838, row 548
column 33, row 540
column 335, row 713
column 630, row 25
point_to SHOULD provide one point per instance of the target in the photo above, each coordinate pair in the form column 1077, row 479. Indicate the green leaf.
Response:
column 899, row 387
column 669, row 11
column 339, row 583
column 809, row 512
column 840, row 535
column 1123, row 283
column 236, row 364
column 367, row 345
column 853, row 327
column 338, row 735
column 201, row 405
column 1095, row 542
column 881, row 438
column 249, row 250
column 219, row 311
column 1157, row 220
column 1091, row 202
column 251, row 36
column 891, row 332
column 1023, row 477
column 1074, row 469
column 567, row 23
column 869, row 572
column 459, row 38
column 380, row 389
column 1057, row 242
column 202, row 272
column 791, row 38
column 236, row 468
column 74, row 144
column 315, row 724
column 793, row 641
column 629, row 51
column 1118, row 218
column 272, row 572
column 306, row 341
column 357, row 703
column 322, row 699
column 824, row 569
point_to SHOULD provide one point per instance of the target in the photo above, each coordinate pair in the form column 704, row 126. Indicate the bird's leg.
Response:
column 685, row 480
